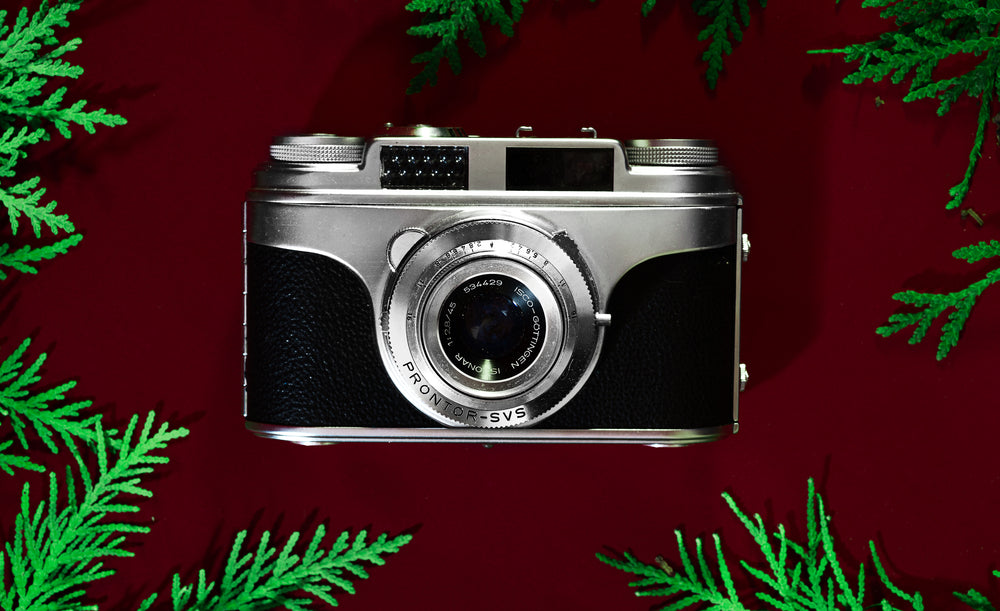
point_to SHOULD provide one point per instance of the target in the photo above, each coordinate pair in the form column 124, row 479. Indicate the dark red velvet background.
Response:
column 844, row 205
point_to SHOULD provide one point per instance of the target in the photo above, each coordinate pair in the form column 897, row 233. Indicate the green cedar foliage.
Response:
column 58, row 547
column 23, row 403
column 22, row 259
column 976, row 600
column 932, row 305
column 793, row 577
column 31, row 59
column 260, row 580
column 946, row 48
column 962, row 35
column 450, row 20
column 728, row 19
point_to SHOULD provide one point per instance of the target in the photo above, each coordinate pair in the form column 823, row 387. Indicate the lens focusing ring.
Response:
column 419, row 361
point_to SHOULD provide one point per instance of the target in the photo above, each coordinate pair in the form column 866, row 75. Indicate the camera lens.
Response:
column 490, row 324
column 491, row 327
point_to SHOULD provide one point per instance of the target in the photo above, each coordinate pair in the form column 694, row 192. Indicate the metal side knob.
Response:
column 318, row 148
column 671, row 152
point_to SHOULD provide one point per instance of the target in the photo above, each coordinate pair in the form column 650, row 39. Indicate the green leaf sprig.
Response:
column 452, row 20
column 976, row 600
column 45, row 410
column 932, row 305
column 263, row 580
column 793, row 577
column 57, row 549
column 23, row 258
column 728, row 19
column 947, row 49
column 927, row 34
column 31, row 58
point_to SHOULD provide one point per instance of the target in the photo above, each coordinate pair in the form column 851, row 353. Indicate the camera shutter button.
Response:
column 318, row 148
column 671, row 152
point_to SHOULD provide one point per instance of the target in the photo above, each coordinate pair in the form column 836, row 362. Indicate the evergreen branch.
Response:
column 915, row 600
column 932, row 305
column 22, row 259
column 928, row 33
column 795, row 577
column 61, row 117
column 451, row 20
column 687, row 588
column 959, row 191
column 24, row 199
column 728, row 19
column 978, row 252
column 12, row 145
column 9, row 462
column 45, row 411
column 261, row 580
column 56, row 552
column 976, row 600
column 30, row 59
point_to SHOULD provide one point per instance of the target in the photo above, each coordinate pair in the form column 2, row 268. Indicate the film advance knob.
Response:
column 318, row 148
column 671, row 152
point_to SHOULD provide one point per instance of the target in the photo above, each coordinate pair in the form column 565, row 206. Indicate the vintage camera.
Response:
column 425, row 285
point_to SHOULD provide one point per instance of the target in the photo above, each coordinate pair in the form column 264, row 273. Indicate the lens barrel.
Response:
column 492, row 327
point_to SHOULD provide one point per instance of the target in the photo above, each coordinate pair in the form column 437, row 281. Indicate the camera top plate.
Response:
column 424, row 158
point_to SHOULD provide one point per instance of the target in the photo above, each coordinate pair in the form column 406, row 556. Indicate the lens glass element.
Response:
column 491, row 327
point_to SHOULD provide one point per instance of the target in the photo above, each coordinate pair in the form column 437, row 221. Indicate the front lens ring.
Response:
column 515, row 377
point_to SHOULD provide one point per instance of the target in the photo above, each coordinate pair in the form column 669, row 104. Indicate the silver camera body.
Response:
column 425, row 285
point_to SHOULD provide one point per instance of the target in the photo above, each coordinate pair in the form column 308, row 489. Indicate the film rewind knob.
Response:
column 671, row 152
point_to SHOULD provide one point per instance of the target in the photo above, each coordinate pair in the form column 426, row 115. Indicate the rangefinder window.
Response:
column 560, row 169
